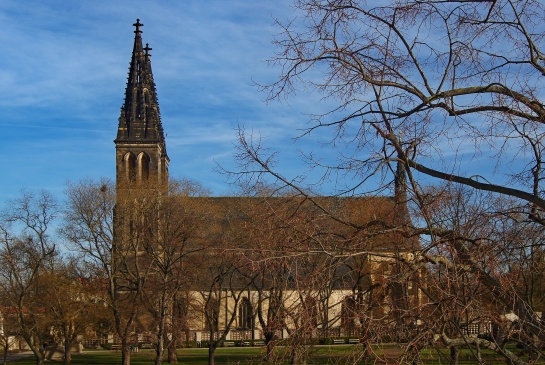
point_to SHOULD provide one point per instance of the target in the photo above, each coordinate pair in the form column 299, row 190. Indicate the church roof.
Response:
column 140, row 119
column 368, row 220
column 257, row 231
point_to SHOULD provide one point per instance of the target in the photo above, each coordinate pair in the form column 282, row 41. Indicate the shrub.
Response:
column 325, row 341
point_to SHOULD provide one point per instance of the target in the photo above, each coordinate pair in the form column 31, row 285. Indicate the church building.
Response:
column 260, row 268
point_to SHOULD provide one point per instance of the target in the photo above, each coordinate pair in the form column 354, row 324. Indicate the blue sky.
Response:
column 64, row 70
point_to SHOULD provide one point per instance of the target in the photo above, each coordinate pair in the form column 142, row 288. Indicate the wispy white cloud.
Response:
column 63, row 75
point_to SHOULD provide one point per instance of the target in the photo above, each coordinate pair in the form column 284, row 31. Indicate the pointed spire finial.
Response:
column 138, row 25
column 147, row 49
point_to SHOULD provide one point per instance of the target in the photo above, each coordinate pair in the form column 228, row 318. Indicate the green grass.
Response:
column 467, row 356
column 320, row 355
column 239, row 355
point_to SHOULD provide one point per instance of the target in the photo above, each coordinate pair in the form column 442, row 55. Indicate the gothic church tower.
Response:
column 141, row 155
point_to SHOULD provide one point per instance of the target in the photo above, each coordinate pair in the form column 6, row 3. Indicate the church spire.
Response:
column 140, row 119
column 140, row 144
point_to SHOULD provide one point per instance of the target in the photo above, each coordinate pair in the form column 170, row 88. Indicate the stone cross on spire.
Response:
column 138, row 25
column 147, row 48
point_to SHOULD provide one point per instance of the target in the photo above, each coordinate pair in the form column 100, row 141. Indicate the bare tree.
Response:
column 26, row 252
column 432, row 89
column 181, row 218
column 118, row 263
column 9, row 329
column 220, row 290
column 271, row 276
column 66, row 301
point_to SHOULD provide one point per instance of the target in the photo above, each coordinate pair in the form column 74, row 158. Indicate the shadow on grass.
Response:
column 320, row 355
column 146, row 357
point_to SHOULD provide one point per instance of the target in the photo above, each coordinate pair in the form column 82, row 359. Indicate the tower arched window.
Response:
column 143, row 166
column 129, row 164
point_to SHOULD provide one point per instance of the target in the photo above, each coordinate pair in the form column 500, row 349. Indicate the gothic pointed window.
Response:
column 212, row 314
column 245, row 314
column 143, row 166
column 129, row 163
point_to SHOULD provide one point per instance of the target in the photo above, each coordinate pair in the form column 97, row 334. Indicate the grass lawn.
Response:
column 240, row 355
column 254, row 355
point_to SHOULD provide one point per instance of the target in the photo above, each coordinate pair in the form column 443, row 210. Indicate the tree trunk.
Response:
column 67, row 353
column 479, row 354
column 270, row 343
column 6, row 348
column 159, row 351
column 159, row 347
column 212, row 346
column 367, row 351
column 454, row 352
column 172, row 355
column 125, row 353
column 298, row 352
column 38, row 352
